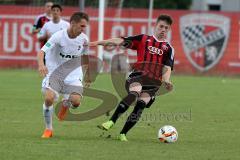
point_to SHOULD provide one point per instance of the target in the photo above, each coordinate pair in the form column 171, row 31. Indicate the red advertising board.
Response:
column 204, row 42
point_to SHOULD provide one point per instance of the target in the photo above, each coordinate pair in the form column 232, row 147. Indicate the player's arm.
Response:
column 35, row 29
column 116, row 41
column 131, row 42
column 166, row 78
column 85, row 60
column 86, row 70
column 168, row 63
column 47, row 48
column 43, row 35
column 166, row 73
column 37, row 25
column 42, row 69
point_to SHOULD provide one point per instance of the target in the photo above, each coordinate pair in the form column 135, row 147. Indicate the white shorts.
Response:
column 70, row 86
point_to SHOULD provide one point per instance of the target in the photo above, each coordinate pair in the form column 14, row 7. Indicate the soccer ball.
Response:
column 167, row 134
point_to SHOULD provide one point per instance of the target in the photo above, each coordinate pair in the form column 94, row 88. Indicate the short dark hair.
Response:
column 77, row 16
column 166, row 18
column 56, row 6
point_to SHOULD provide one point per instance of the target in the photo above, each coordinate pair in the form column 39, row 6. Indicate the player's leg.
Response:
column 70, row 101
column 135, row 115
column 134, row 91
column 75, row 87
column 49, row 97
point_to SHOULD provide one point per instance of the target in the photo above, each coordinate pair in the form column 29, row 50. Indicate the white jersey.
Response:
column 60, row 48
column 51, row 27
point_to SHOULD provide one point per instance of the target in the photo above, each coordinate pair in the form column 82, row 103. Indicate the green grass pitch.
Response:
column 205, row 111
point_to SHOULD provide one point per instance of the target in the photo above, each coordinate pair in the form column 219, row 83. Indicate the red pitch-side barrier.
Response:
column 204, row 42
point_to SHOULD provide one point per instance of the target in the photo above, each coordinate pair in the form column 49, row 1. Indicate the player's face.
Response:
column 161, row 29
column 56, row 13
column 48, row 7
column 79, row 27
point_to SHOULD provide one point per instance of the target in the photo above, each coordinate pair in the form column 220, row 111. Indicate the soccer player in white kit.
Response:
column 60, row 48
column 54, row 25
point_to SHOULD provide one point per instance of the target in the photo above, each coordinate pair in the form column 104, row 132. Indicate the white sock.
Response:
column 47, row 114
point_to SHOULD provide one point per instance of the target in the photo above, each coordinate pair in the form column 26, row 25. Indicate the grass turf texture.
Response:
column 205, row 111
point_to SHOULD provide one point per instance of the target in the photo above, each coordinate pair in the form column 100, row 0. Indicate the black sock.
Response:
column 124, row 105
column 134, row 116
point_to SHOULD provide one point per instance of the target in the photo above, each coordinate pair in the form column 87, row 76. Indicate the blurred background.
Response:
column 205, row 33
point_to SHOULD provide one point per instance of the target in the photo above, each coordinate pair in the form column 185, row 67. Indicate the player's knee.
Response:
column 49, row 97
column 75, row 100
column 135, row 87
column 149, row 104
column 49, row 101
column 75, row 104
column 145, row 97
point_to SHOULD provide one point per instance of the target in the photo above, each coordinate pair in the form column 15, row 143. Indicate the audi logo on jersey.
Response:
column 154, row 50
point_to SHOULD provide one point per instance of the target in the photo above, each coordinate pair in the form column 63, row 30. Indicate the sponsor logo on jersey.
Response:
column 154, row 50
column 68, row 56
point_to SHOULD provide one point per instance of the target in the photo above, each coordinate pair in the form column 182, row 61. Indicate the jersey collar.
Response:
column 158, row 40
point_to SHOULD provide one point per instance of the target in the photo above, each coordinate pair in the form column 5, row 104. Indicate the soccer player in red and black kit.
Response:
column 155, row 59
column 42, row 19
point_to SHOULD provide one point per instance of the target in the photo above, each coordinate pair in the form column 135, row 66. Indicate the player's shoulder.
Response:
column 169, row 45
column 48, row 23
column 169, row 48
column 140, row 35
column 40, row 16
column 59, row 34
column 137, row 37
column 83, row 36
column 65, row 22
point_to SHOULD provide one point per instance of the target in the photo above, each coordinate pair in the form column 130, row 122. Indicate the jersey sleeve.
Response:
column 43, row 31
column 132, row 42
column 51, row 43
column 36, row 23
column 169, row 58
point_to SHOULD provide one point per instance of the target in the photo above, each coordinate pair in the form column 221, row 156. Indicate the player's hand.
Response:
column 43, row 71
column 167, row 85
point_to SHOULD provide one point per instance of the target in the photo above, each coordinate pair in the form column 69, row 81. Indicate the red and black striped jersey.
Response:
column 40, row 21
column 152, row 54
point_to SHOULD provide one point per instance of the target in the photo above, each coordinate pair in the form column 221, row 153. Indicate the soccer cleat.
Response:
column 62, row 113
column 122, row 137
column 47, row 133
column 106, row 126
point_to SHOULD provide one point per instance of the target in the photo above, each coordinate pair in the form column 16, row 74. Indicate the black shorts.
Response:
column 149, row 85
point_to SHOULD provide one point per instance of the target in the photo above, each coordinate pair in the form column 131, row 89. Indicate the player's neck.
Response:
column 70, row 33
column 159, row 37
column 56, row 20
